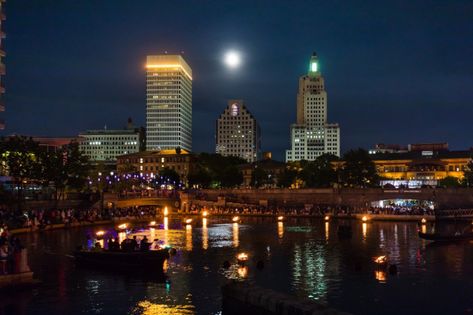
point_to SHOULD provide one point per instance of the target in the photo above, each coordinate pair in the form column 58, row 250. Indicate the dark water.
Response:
column 302, row 257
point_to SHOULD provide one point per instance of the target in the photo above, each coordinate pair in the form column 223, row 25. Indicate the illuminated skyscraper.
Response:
column 238, row 132
column 168, row 103
column 2, row 65
column 311, row 135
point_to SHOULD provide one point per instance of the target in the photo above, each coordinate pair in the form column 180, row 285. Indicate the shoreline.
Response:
column 358, row 217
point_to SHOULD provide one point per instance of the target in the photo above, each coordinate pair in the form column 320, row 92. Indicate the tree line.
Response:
column 26, row 162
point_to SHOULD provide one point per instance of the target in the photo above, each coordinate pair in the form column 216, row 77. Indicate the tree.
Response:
column 259, row 177
column 199, row 176
column 66, row 168
column 169, row 175
column 358, row 169
column 468, row 172
column 320, row 173
column 222, row 170
column 450, row 182
column 20, row 160
column 288, row 177
column 230, row 177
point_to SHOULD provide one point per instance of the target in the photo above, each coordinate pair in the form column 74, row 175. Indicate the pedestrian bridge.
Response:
column 114, row 201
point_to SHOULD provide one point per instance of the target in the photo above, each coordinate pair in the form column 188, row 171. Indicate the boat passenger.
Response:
column 3, row 258
column 110, row 244
column 115, row 245
column 144, row 245
column 97, row 247
column 134, row 243
column 126, row 245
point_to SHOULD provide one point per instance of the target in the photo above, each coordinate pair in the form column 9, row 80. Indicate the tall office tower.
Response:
column 238, row 133
column 2, row 65
column 168, row 103
column 311, row 135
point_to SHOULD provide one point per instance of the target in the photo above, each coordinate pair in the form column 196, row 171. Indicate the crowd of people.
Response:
column 128, row 244
column 10, row 252
column 312, row 210
column 41, row 219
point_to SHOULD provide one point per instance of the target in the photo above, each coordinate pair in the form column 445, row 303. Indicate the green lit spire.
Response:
column 314, row 64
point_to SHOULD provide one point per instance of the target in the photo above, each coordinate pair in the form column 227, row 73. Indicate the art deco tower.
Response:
column 238, row 132
column 312, row 136
column 168, row 103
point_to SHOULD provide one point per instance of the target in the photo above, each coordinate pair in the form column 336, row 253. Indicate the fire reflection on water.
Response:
column 236, row 241
column 205, row 234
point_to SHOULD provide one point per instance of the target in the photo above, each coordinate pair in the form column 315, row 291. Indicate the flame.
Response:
column 381, row 259
column 242, row 257
column 123, row 226
column 236, row 219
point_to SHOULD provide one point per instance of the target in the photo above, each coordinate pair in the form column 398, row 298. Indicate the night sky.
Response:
column 398, row 72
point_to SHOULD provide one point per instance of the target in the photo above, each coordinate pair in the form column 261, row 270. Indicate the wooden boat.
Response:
column 446, row 238
column 120, row 260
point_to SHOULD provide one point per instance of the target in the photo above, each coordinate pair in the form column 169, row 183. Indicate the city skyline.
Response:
column 389, row 79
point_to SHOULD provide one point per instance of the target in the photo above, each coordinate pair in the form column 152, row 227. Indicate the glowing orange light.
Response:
column 123, row 226
column 280, row 218
column 188, row 221
column 100, row 233
column 380, row 260
column 156, row 66
column 364, row 218
column 423, row 221
column 152, row 223
column 205, row 213
column 165, row 212
column 327, row 218
column 236, row 219
column 242, row 257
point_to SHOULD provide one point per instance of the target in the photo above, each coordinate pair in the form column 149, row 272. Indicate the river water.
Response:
column 303, row 257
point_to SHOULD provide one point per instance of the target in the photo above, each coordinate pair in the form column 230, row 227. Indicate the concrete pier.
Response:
column 241, row 298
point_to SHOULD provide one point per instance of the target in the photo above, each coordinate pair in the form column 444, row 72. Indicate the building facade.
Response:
column 168, row 103
column 421, row 165
column 2, row 64
column 312, row 135
column 152, row 162
column 238, row 133
column 105, row 145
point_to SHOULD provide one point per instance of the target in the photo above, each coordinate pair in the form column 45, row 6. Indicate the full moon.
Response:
column 232, row 59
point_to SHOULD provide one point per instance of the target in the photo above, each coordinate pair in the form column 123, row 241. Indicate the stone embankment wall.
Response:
column 443, row 198
column 240, row 298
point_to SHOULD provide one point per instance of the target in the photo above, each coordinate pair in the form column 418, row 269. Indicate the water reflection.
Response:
column 149, row 308
column 243, row 271
column 166, row 228
column 380, row 275
column 280, row 229
column 205, row 234
column 236, row 241
column 188, row 237
column 327, row 231
column 309, row 270
column 423, row 228
column 305, row 265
